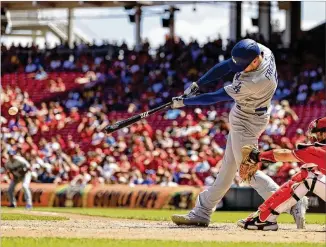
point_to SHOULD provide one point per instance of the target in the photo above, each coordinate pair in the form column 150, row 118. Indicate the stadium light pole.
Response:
column 70, row 29
column 293, row 21
column 264, row 19
column 172, row 22
column 138, row 26
column 235, row 20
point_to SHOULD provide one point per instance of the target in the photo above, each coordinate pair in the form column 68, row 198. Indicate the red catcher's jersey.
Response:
column 315, row 153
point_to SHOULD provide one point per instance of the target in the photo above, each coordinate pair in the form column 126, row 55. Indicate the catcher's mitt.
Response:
column 249, row 163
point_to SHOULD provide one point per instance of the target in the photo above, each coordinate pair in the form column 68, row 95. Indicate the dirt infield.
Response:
column 80, row 226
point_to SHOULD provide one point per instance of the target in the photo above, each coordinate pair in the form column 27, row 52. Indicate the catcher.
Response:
column 310, row 178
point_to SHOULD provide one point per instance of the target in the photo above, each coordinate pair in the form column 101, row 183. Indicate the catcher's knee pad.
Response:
column 292, row 191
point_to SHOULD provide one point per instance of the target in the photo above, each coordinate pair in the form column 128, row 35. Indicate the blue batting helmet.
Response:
column 242, row 54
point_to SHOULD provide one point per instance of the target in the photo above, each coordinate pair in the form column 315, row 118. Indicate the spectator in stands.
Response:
column 69, row 63
column 30, row 67
column 298, row 138
column 167, row 180
column 73, row 100
column 45, row 175
column 57, row 86
column 302, row 93
column 55, row 64
column 40, row 74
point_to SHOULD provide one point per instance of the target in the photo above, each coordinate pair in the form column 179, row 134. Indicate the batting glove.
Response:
column 177, row 102
column 191, row 90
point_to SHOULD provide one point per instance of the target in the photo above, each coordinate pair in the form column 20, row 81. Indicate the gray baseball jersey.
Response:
column 252, row 92
column 18, row 166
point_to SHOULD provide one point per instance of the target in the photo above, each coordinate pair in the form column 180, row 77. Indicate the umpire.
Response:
column 20, row 170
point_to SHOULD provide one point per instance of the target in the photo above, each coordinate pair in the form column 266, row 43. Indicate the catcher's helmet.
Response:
column 317, row 125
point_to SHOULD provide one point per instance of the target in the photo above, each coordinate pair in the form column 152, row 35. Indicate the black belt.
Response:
column 260, row 110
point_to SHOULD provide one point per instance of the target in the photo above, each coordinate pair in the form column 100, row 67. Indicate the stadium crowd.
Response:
column 186, row 151
column 147, row 79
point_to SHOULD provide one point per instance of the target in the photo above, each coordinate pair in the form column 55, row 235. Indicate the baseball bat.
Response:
column 124, row 123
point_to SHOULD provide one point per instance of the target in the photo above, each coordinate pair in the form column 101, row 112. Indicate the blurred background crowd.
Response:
column 67, row 96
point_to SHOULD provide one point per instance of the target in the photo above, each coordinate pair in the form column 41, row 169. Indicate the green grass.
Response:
column 15, row 216
column 164, row 215
column 72, row 242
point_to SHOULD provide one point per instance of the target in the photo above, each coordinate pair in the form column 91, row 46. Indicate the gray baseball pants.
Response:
column 245, row 129
column 26, row 180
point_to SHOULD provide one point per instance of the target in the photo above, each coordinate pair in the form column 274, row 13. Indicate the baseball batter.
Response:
column 252, row 89
column 312, row 177
column 20, row 170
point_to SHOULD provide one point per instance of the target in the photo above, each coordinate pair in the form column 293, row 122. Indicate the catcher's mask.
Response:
column 317, row 125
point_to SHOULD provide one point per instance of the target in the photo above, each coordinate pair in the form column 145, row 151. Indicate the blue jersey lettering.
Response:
column 237, row 87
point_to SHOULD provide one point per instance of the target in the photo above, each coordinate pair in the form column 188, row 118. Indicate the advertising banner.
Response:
column 140, row 196
column 41, row 194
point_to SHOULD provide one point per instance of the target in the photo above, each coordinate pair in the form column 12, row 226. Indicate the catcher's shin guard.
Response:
column 308, row 179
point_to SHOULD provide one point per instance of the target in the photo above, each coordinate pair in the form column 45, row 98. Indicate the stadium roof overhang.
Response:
column 33, row 5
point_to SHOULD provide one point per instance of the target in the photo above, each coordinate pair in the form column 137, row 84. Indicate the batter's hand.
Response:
column 191, row 90
column 249, row 163
column 177, row 102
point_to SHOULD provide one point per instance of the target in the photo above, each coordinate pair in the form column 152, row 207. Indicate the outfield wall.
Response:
column 140, row 196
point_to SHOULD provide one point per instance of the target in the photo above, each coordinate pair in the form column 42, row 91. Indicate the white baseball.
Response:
column 13, row 110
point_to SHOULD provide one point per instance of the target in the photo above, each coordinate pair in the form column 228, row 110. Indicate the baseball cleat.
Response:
column 253, row 223
column 28, row 207
column 298, row 211
column 189, row 219
column 12, row 206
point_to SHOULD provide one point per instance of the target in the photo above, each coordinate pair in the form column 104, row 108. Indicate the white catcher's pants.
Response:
column 245, row 129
